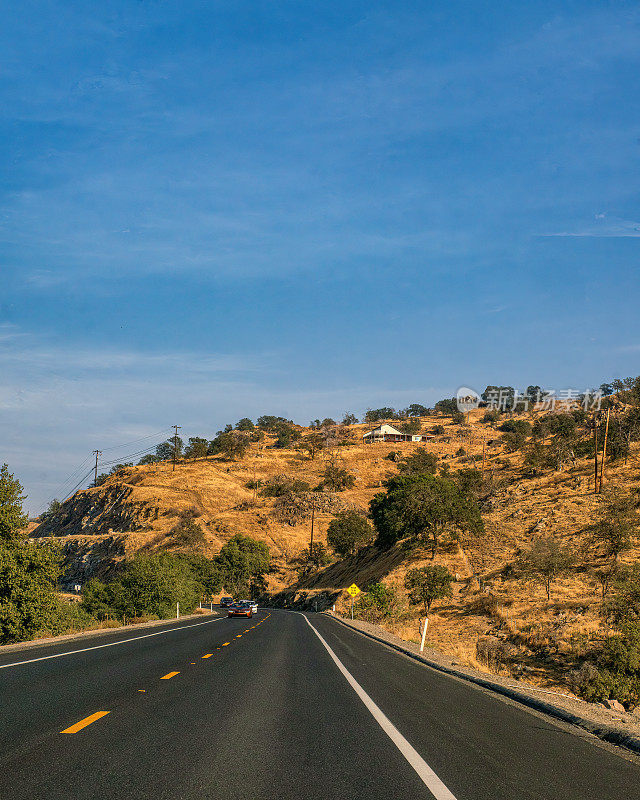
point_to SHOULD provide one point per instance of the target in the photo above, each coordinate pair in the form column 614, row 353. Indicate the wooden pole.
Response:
column 595, row 455
column 175, row 445
column 604, row 449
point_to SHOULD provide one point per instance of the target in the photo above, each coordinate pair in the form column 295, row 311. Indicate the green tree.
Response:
column 197, row 447
column 515, row 433
column 421, row 462
column 13, row 520
column 546, row 560
column 422, row 508
column 616, row 530
column 231, row 444
column 624, row 605
column 269, row 423
column 377, row 414
column 417, row 410
column 206, row 571
column 52, row 509
column 149, row 584
column 411, row 427
column 449, row 406
column 245, row 425
column 166, row 450
column 148, row 459
column 29, row 604
column 426, row 584
column 348, row 531
column 313, row 443
column 241, row 561
column 349, row 419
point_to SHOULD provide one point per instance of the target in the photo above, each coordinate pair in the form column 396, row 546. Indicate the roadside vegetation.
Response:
column 538, row 536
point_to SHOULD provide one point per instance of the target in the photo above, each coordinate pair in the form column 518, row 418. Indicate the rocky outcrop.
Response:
column 106, row 510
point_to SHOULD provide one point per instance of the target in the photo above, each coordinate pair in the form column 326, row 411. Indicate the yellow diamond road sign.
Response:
column 353, row 590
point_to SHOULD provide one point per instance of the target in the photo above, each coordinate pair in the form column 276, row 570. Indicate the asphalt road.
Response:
column 271, row 709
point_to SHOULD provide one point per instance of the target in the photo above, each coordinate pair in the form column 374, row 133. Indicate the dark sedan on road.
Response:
column 225, row 602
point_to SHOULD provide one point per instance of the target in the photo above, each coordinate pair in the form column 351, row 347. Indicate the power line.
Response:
column 75, row 488
column 69, row 479
column 135, row 441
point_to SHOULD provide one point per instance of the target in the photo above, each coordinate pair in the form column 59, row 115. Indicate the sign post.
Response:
column 354, row 591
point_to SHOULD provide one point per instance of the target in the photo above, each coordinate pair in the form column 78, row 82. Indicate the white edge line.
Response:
column 424, row 771
column 109, row 644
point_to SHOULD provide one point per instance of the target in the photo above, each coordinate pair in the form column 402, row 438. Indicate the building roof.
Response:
column 384, row 429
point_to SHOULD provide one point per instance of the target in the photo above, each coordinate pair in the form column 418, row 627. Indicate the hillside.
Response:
column 139, row 507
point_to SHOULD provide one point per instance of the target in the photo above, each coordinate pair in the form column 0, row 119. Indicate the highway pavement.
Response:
column 277, row 707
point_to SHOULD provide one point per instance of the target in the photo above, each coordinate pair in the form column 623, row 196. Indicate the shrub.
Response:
column 421, row 462
column 426, row 584
column 349, row 531
column 376, row 603
column 337, row 479
column 616, row 671
column 188, row 533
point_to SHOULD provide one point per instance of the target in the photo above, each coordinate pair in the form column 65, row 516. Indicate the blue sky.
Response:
column 211, row 210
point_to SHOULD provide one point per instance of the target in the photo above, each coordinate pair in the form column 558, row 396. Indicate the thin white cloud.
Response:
column 603, row 226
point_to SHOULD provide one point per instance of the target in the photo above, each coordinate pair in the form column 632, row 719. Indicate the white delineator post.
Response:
column 177, row 610
column 424, row 633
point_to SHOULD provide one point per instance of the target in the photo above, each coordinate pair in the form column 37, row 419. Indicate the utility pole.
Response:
column 175, row 445
column 604, row 449
column 96, row 453
column 595, row 455
column 313, row 513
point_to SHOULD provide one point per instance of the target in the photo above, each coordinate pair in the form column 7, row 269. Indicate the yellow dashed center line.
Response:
column 226, row 644
column 86, row 721
column 169, row 675
column 207, row 655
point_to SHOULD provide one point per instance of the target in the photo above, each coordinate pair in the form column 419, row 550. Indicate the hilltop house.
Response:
column 387, row 433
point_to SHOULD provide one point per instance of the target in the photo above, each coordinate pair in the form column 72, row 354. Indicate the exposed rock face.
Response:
column 104, row 512
column 89, row 557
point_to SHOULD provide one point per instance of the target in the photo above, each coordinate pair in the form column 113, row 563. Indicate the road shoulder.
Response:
column 99, row 632
column 599, row 721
